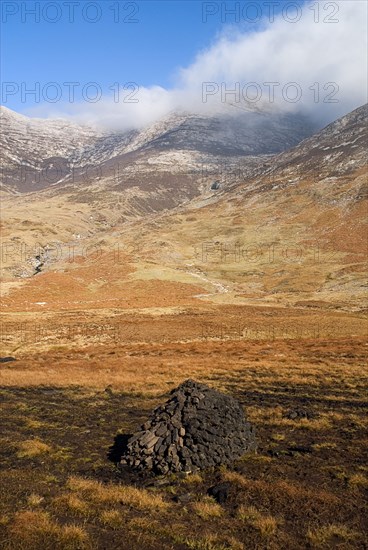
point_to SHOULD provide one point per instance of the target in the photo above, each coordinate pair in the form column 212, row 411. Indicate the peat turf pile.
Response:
column 196, row 428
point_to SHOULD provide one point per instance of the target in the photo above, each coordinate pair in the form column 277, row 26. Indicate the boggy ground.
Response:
column 304, row 488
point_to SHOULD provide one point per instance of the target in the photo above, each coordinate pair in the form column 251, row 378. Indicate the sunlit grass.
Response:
column 264, row 523
column 324, row 535
column 32, row 447
column 207, row 508
column 97, row 492
column 37, row 530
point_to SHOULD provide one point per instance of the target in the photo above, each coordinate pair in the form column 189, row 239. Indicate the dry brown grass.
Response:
column 274, row 416
column 112, row 519
column 264, row 523
column 37, row 530
column 72, row 504
column 34, row 500
column 193, row 479
column 212, row 542
column 150, row 369
column 33, row 447
column 236, row 478
column 281, row 488
column 289, row 492
column 324, row 445
column 207, row 508
column 142, row 523
column 33, row 424
column 96, row 492
column 207, row 542
column 359, row 480
column 330, row 534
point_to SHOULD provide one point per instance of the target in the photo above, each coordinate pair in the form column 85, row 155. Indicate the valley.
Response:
column 124, row 272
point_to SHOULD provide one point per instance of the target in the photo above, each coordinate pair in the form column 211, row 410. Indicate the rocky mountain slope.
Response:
column 338, row 149
column 41, row 154
column 293, row 231
column 288, row 229
column 244, row 133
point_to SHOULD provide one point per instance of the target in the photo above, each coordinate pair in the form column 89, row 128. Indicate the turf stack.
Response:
column 197, row 428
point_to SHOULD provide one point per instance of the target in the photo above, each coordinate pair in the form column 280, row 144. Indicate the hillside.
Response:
column 295, row 233
column 42, row 154
column 256, row 288
column 290, row 234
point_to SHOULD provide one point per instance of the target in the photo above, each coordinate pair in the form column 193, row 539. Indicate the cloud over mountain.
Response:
column 316, row 64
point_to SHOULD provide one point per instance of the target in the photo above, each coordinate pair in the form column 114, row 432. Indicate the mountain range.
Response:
column 247, row 209
column 38, row 153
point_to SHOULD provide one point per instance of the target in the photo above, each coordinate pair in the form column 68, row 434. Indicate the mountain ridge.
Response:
column 284, row 230
column 37, row 143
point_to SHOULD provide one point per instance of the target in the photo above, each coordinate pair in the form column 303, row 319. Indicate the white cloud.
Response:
column 305, row 53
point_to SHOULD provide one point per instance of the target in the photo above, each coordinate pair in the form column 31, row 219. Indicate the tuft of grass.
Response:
column 112, row 519
column 248, row 513
column 75, row 537
column 236, row 478
column 265, row 524
column 278, row 437
column 4, row 519
column 35, row 530
column 96, row 492
column 193, row 479
column 359, row 480
column 142, row 524
column 255, row 458
column 71, row 504
column 209, row 542
column 146, row 530
column 329, row 534
column 34, row 500
column 207, row 508
column 324, row 445
column 234, row 544
column 33, row 424
column 51, row 479
column 32, row 447
column 63, row 453
column 322, row 423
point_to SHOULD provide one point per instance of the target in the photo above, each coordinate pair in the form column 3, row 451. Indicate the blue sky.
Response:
column 315, row 50
column 167, row 36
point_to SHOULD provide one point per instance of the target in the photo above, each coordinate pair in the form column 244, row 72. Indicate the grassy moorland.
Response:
column 260, row 295
column 304, row 488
